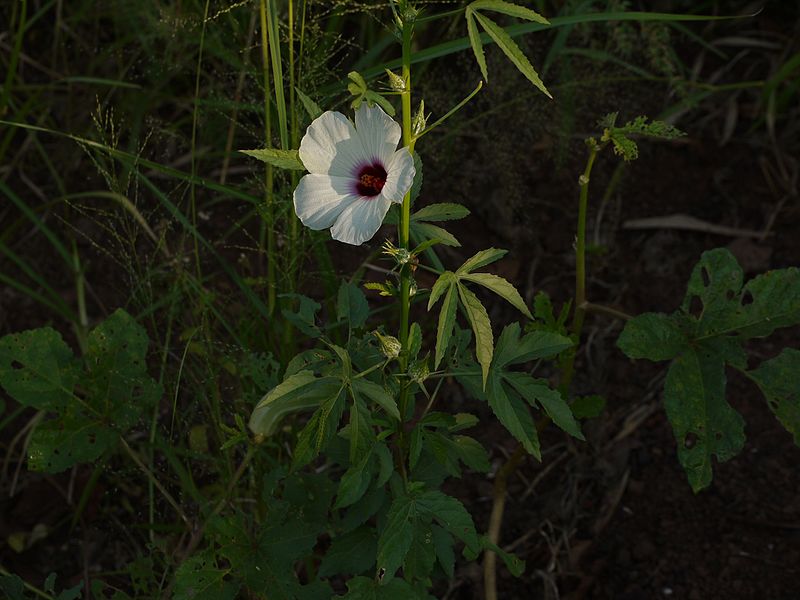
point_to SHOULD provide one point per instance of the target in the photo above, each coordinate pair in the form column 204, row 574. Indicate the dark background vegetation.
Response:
column 611, row 518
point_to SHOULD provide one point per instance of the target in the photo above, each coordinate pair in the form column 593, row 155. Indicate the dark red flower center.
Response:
column 371, row 179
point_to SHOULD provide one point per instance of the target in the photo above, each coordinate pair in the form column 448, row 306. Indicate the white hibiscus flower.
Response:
column 355, row 173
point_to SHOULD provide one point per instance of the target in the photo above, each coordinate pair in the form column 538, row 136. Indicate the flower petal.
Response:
column 331, row 146
column 360, row 220
column 400, row 173
column 379, row 133
column 319, row 199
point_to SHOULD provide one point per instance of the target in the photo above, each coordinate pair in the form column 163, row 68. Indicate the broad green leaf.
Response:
column 352, row 305
column 12, row 587
column 61, row 443
column 716, row 281
column 396, row 537
column 512, row 51
column 481, row 259
column 476, row 43
column 652, row 336
column 703, row 422
column 447, row 318
column 481, row 326
column 378, row 394
column 264, row 558
column 283, row 159
column 199, row 579
column 451, row 515
column 37, row 368
column 704, row 336
column 441, row 212
column 501, row 287
column 507, row 8
column 775, row 303
column 312, row 108
column 350, row 554
column 779, row 381
column 301, row 391
column 426, row 231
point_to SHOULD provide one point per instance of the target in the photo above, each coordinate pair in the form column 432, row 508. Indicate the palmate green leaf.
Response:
column 443, row 545
column 702, row 342
column 507, row 8
column 38, row 369
column 350, row 554
column 515, row 416
column 512, row 51
column 510, row 392
column 481, row 326
column 536, row 391
column 199, row 579
column 283, row 159
column 501, row 287
column 779, row 381
column 304, row 318
column 444, row 211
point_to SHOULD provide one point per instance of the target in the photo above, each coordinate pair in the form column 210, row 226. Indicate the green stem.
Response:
column 405, row 212
column 568, row 369
column 268, row 213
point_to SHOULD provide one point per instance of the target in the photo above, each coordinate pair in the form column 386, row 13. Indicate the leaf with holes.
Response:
column 703, row 337
column 38, row 369
column 89, row 409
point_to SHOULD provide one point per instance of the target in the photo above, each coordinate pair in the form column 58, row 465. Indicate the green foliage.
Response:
column 501, row 37
column 620, row 137
column 451, row 284
column 510, row 393
column 361, row 93
column 198, row 578
column 701, row 343
column 283, row 159
column 90, row 401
